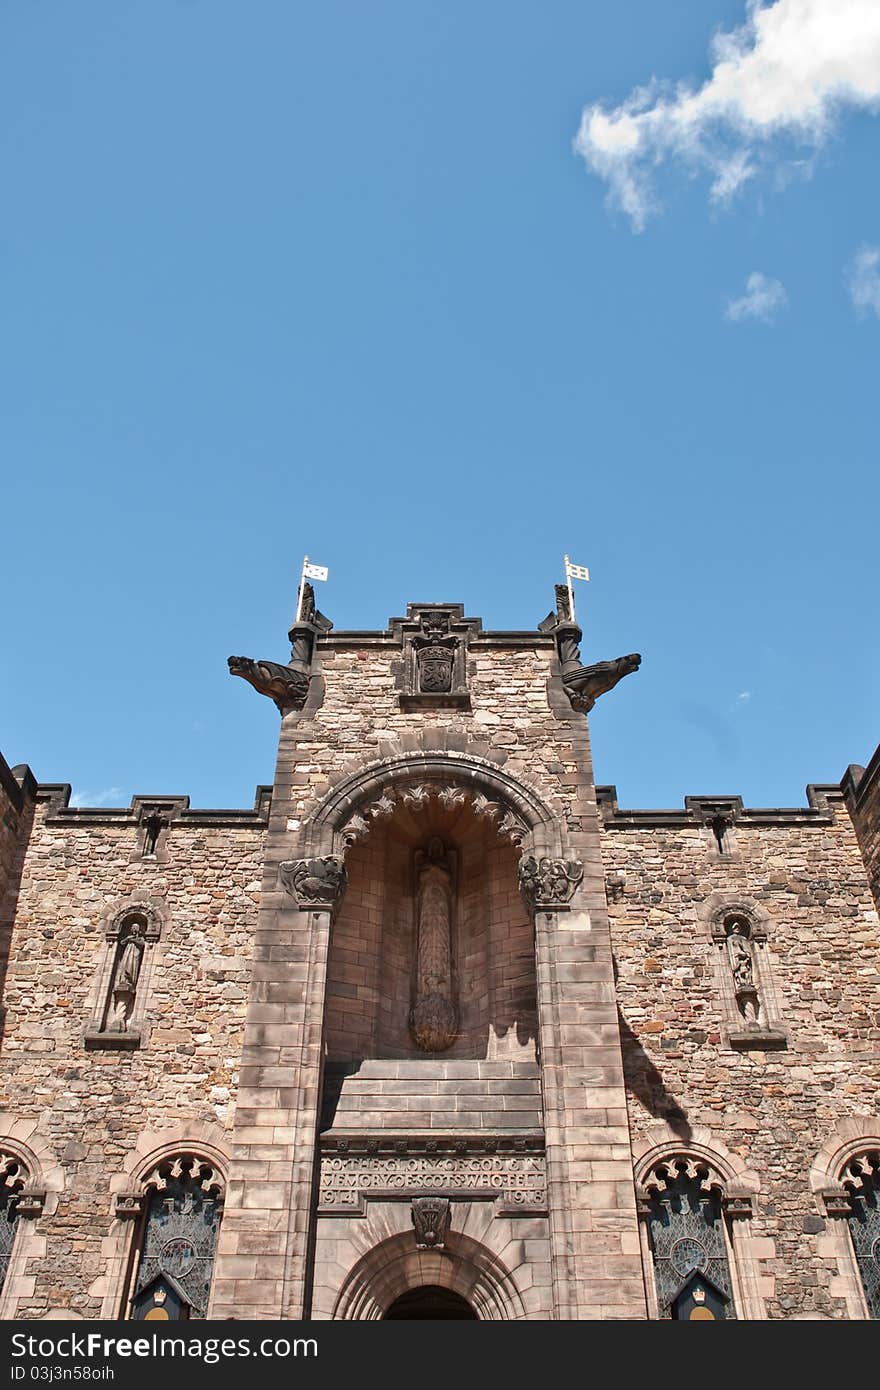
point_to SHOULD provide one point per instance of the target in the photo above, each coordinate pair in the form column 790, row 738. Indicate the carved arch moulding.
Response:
column 536, row 817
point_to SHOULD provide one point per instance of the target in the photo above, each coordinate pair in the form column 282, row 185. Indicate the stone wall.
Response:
column 93, row 1107
column 772, row 1107
column 862, row 790
column 17, row 800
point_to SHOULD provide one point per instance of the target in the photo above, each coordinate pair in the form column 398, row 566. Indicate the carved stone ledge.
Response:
column 315, row 884
column 31, row 1202
column 758, row 1039
column 836, row 1201
column 129, row 1205
column 738, row 1205
column 128, row 1041
column 547, row 885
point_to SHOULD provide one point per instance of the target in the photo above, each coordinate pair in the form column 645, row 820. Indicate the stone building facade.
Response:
column 437, row 1029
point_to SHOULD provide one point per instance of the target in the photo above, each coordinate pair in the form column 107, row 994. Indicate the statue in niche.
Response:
column 154, row 824
column 132, row 940
column 739, row 953
column 433, row 1018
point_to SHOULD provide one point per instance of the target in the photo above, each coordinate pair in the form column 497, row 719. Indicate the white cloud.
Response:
column 104, row 798
column 763, row 299
column 786, row 72
column 863, row 279
column 744, row 695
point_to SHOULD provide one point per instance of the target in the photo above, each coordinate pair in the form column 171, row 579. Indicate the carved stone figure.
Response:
column 739, row 954
column 430, row 1218
column 433, row 1018
column 154, row 824
column 583, row 684
column 125, row 979
column 548, row 883
column 314, row 883
column 286, row 686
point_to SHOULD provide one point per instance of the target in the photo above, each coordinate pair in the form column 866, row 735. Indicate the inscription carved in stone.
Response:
column 520, row 1180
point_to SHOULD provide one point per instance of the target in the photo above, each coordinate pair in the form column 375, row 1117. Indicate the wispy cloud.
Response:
column 786, row 72
column 863, row 279
column 744, row 696
column 108, row 797
column 763, row 299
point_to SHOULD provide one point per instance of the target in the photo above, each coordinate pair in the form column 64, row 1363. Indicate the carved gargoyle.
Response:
column 583, row 684
column 286, row 686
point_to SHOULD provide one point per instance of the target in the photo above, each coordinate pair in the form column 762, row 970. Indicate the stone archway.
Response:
column 430, row 1301
column 464, row 1272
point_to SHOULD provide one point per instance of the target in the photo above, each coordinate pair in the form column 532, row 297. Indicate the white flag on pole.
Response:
column 315, row 571
column 576, row 571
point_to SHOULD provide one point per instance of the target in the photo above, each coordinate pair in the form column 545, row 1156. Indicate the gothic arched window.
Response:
column 683, row 1206
column 180, row 1207
column 861, row 1179
column 13, row 1176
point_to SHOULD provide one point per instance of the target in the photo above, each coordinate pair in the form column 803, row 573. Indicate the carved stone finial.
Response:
column 286, row 686
column 548, row 884
column 431, row 1217
column 315, row 884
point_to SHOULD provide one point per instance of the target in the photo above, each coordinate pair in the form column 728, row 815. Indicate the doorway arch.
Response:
column 430, row 1301
column 463, row 1268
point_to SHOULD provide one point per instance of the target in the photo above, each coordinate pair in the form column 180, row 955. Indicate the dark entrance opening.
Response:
column 430, row 1301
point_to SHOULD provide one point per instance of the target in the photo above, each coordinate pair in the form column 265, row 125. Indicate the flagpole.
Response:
column 302, row 586
column 570, row 587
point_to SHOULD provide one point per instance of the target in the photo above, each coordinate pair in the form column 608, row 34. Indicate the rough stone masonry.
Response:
column 437, row 1029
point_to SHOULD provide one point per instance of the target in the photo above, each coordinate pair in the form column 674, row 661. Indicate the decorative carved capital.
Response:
column 431, row 1217
column 283, row 684
column 548, row 884
column 315, row 884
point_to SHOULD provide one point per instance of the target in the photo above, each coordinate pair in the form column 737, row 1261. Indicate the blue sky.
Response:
column 333, row 278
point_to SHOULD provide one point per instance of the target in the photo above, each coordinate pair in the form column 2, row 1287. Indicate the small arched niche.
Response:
column 433, row 858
